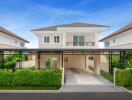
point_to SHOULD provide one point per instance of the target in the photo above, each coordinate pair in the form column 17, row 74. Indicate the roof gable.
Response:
column 76, row 24
column 121, row 30
column 5, row 31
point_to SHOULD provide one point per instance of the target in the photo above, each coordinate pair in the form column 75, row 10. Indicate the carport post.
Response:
column 2, row 59
column 63, row 69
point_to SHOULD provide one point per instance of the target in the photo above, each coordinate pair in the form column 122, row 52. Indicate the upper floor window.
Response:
column 15, row 41
column 78, row 40
column 22, row 44
column 46, row 39
column 107, row 44
column 114, row 41
column 56, row 39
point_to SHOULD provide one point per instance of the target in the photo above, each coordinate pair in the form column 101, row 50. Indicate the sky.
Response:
column 21, row 16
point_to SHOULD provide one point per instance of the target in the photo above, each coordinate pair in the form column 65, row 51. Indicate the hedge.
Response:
column 28, row 77
column 124, row 77
column 106, row 75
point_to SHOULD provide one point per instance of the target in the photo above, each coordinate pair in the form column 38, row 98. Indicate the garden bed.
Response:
column 28, row 79
column 106, row 75
column 124, row 78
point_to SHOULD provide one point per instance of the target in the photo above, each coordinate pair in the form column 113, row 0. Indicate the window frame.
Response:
column 78, row 43
column 45, row 42
column 55, row 42
column 107, row 43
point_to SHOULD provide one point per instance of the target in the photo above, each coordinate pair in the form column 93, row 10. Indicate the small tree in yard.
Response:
column 48, row 63
column 11, row 61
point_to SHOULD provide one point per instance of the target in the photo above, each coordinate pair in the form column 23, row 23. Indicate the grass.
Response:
column 29, row 88
column 107, row 75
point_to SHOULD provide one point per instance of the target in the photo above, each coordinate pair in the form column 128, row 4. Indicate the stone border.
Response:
column 32, row 91
column 125, row 89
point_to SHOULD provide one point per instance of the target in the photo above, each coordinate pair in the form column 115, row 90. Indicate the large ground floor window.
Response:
column 51, row 62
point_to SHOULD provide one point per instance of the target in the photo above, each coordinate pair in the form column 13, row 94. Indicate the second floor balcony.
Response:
column 80, row 43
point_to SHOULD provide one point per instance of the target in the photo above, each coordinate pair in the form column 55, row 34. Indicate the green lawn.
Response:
column 29, row 88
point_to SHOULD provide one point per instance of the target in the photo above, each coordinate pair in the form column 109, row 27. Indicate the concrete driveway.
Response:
column 77, row 80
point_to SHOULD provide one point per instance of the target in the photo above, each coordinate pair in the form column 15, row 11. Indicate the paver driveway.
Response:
column 77, row 80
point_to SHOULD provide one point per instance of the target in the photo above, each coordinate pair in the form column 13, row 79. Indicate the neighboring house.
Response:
column 121, row 38
column 68, row 36
column 11, row 40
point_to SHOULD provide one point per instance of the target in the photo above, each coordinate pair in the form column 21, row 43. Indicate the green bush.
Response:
column 28, row 77
column 106, row 75
column 5, row 77
column 11, row 60
column 124, row 77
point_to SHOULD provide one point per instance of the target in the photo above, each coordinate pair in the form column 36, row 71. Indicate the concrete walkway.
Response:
column 77, row 80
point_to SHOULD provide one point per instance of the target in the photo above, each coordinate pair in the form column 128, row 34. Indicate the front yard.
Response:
column 28, row 79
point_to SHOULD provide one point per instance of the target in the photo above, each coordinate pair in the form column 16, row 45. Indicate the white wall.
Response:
column 66, row 35
column 121, row 39
column 9, row 41
column 75, row 61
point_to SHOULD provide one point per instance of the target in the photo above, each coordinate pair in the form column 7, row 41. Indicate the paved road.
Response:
column 65, row 96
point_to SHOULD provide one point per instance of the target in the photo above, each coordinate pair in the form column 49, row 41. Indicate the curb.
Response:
column 32, row 91
column 125, row 89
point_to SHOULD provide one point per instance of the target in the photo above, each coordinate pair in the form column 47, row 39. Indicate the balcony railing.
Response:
column 80, row 43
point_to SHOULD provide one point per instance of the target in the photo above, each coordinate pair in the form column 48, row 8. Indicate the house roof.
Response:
column 5, row 31
column 75, row 24
column 123, row 29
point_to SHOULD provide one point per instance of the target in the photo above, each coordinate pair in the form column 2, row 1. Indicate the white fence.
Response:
column 26, row 64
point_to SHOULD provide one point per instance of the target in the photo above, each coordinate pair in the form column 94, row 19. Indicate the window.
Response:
column 46, row 39
column 91, row 58
column 114, row 41
column 75, row 40
column 22, row 44
column 15, row 41
column 56, row 39
column 78, row 40
column 107, row 44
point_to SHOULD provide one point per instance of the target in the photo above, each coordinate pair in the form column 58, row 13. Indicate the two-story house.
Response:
column 11, row 40
column 72, row 36
column 121, row 38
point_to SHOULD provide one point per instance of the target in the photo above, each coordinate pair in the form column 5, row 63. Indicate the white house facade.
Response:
column 69, row 36
column 122, row 38
column 11, row 40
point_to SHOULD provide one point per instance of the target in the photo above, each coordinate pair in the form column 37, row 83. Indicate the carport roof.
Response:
column 64, row 50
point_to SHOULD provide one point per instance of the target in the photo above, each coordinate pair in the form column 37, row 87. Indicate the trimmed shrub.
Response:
column 5, row 77
column 106, row 75
column 29, row 77
column 124, row 77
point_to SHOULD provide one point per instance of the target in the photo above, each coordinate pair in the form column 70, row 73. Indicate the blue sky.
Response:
column 20, row 16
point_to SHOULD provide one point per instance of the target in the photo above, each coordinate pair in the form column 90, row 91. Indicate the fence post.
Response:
column 115, row 76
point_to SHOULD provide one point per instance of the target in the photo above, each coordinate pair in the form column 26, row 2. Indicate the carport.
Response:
column 72, row 54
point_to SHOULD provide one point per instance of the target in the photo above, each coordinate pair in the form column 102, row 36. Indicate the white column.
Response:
column 63, row 70
column 97, row 64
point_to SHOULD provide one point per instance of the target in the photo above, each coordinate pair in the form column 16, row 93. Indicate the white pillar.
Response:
column 97, row 64
column 63, row 70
